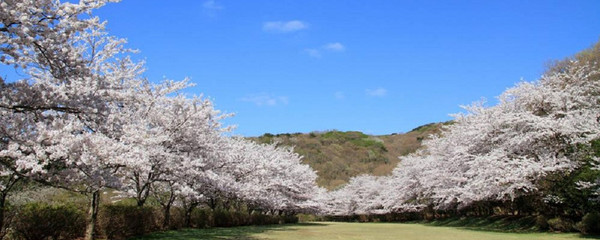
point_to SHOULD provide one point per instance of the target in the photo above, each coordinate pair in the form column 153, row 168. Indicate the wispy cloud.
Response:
column 377, row 92
column 263, row 99
column 284, row 27
column 211, row 7
column 211, row 4
column 330, row 47
column 336, row 47
column 313, row 52
column 339, row 95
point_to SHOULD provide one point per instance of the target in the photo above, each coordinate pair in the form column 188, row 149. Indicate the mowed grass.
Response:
column 363, row 231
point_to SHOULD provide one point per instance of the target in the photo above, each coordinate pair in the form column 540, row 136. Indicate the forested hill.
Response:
column 337, row 156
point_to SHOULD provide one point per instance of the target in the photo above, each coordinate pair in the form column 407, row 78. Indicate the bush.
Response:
column 290, row 219
column 202, row 218
column 177, row 220
column 223, row 218
column 262, row 219
column 240, row 218
column 124, row 221
column 541, row 222
column 560, row 224
column 590, row 223
column 35, row 221
column 364, row 218
column 307, row 218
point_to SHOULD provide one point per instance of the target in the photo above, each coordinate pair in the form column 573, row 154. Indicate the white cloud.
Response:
column 211, row 8
column 212, row 5
column 313, row 52
column 264, row 99
column 284, row 27
column 331, row 47
column 378, row 92
column 336, row 47
column 339, row 95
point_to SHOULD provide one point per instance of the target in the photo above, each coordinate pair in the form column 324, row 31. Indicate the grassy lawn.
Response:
column 337, row 230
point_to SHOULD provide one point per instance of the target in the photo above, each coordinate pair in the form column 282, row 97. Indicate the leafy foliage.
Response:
column 125, row 221
column 41, row 221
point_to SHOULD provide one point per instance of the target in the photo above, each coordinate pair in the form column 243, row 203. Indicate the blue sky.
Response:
column 374, row 66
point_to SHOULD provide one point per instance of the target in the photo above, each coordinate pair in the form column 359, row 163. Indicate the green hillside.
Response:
column 337, row 156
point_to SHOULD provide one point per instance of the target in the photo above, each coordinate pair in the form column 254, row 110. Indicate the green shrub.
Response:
column 202, row 218
column 364, row 218
column 241, row 218
column 306, row 217
column 35, row 221
column 369, row 143
column 290, row 219
column 590, row 223
column 262, row 219
column 223, row 218
column 560, row 224
column 541, row 222
column 124, row 221
column 177, row 218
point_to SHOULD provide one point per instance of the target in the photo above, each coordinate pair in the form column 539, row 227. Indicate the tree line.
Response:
column 535, row 152
column 82, row 117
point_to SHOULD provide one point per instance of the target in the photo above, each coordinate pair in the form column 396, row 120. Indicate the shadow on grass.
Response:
column 237, row 233
column 590, row 236
column 512, row 224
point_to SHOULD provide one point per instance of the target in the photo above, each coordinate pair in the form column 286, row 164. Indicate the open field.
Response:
column 337, row 230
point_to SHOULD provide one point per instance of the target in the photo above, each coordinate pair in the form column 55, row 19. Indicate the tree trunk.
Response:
column 188, row 217
column 142, row 195
column 140, row 202
column 212, row 203
column 93, row 215
column 188, row 214
column 3, row 194
column 166, row 204
column 167, row 214
column 2, row 201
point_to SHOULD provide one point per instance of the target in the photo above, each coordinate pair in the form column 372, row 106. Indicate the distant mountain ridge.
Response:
column 337, row 156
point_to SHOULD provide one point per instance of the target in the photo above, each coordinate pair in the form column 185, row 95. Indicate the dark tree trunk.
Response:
column 93, row 215
column 167, row 214
column 13, row 179
column 167, row 208
column 212, row 203
column 166, row 204
column 2, row 203
column 141, row 199
column 143, row 191
column 188, row 214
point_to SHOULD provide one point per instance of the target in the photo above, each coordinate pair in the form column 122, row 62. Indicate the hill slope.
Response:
column 337, row 156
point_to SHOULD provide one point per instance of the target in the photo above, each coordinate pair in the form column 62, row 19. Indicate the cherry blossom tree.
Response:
column 501, row 152
column 82, row 118
column 497, row 153
column 363, row 194
column 270, row 177
column 56, row 116
column 167, row 131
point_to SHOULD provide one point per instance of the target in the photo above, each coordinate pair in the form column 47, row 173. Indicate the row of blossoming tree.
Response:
column 534, row 152
column 81, row 117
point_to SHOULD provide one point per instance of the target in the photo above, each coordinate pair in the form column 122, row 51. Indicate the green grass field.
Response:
column 337, row 230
